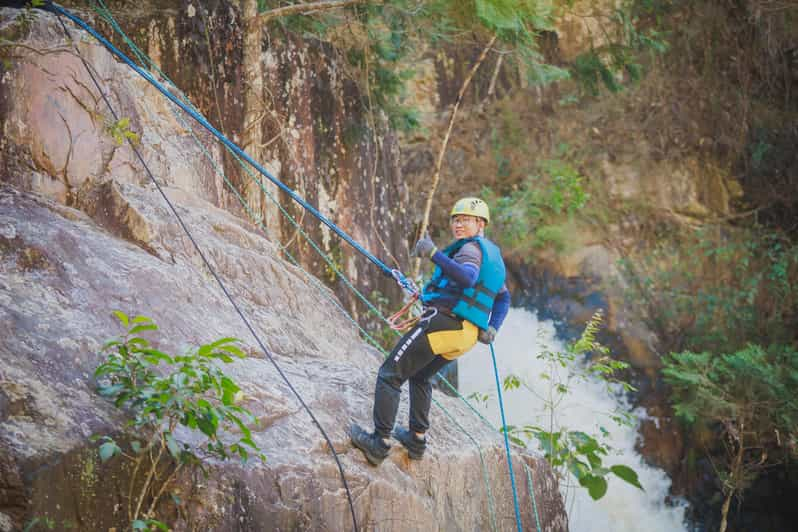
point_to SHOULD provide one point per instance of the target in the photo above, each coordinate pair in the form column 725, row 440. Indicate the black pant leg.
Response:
column 410, row 355
column 421, row 394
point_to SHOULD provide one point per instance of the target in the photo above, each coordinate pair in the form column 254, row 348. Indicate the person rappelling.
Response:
column 465, row 301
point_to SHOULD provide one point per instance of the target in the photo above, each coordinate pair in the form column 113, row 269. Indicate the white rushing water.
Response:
column 624, row 507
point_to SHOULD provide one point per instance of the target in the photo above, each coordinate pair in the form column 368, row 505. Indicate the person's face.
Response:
column 465, row 226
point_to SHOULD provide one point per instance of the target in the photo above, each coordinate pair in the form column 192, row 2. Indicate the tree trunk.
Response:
column 252, row 131
column 735, row 474
column 724, row 511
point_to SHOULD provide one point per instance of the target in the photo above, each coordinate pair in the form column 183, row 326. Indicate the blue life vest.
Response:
column 473, row 304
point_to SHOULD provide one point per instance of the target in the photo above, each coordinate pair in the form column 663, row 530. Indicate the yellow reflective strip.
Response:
column 452, row 344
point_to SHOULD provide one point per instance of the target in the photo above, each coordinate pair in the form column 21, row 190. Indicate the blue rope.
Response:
column 506, row 440
column 58, row 10
column 396, row 274
column 106, row 15
column 403, row 281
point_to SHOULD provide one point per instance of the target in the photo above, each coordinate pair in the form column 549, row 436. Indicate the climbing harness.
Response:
column 407, row 285
column 400, row 323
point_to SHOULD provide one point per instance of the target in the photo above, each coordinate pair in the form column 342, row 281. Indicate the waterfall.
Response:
column 624, row 507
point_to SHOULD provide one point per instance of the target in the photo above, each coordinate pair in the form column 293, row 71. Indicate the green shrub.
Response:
column 573, row 451
column 553, row 236
column 616, row 62
column 162, row 392
column 717, row 291
column 749, row 397
column 535, row 214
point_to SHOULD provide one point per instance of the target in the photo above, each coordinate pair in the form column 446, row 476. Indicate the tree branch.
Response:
column 439, row 162
column 153, row 467
column 297, row 9
column 164, row 485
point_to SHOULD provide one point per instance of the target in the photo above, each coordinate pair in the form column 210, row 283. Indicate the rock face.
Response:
column 83, row 232
column 584, row 25
column 289, row 103
column 62, row 273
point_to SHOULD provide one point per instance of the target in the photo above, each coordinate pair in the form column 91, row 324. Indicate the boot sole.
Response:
column 372, row 458
column 412, row 454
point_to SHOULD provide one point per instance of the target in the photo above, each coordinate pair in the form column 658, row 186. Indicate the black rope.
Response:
column 218, row 280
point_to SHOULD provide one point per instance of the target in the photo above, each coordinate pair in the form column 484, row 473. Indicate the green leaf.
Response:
column 108, row 449
column 233, row 350
column 138, row 524
column 206, row 425
column 110, row 391
column 596, row 486
column 249, row 442
column 241, row 425
column 31, row 524
column 122, row 317
column 189, row 420
column 497, row 14
column 242, row 453
column 136, row 341
column 229, row 390
column 578, row 469
column 156, row 523
column 585, row 444
column 511, row 382
column 142, row 319
column 516, row 440
column 103, row 369
column 221, row 356
column 174, row 448
column 155, row 356
column 121, row 399
column 595, row 461
column 110, row 343
column 136, row 446
column 146, row 327
column 222, row 341
column 627, row 474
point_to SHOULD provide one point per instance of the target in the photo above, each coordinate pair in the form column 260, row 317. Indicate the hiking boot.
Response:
column 370, row 443
column 415, row 446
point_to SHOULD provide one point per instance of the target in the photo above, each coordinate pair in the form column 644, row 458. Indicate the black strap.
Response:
column 472, row 302
column 447, row 312
column 485, row 290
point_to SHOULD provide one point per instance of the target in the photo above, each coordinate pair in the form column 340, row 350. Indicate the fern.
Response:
column 587, row 342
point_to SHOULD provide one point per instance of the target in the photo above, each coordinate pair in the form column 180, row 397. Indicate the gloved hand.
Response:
column 425, row 247
column 487, row 336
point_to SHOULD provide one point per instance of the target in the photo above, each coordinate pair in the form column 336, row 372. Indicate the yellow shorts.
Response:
column 451, row 344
